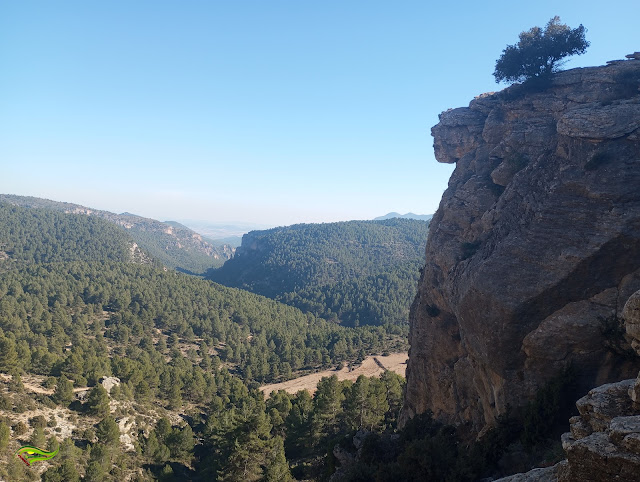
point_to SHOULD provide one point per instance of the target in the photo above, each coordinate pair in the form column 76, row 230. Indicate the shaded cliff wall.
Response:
column 535, row 246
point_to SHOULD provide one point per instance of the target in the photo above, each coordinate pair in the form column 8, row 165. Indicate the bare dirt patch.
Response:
column 372, row 366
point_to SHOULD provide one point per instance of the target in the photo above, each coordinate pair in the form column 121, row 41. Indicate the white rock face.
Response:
column 109, row 382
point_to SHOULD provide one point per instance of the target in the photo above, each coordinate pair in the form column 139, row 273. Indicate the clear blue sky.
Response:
column 261, row 111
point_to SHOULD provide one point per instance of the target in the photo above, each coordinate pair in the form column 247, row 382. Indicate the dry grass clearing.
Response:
column 371, row 366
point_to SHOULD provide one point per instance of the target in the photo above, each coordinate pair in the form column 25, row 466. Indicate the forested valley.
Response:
column 353, row 273
column 80, row 304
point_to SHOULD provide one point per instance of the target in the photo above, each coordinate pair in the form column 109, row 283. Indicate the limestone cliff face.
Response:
column 535, row 246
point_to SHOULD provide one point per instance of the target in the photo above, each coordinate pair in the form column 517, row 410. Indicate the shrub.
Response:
column 38, row 421
column 539, row 52
column 20, row 428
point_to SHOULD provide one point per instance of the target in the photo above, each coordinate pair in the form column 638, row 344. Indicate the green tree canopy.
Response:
column 539, row 52
column 108, row 431
column 63, row 393
column 98, row 401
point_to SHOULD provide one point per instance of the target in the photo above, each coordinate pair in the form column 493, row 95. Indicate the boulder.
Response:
column 109, row 382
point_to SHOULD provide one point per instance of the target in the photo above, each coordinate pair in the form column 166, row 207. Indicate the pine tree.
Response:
column 393, row 386
column 250, row 449
column 180, row 443
column 65, row 472
column 107, row 431
column 357, row 402
column 327, row 406
column 277, row 469
column 99, row 463
column 15, row 384
column 8, row 354
column 63, row 393
column 98, row 401
column 151, row 445
column 175, row 396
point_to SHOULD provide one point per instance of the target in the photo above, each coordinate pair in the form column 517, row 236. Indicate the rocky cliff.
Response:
column 535, row 247
column 604, row 441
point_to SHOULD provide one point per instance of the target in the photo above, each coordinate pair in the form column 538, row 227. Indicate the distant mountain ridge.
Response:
column 421, row 217
column 223, row 232
column 172, row 244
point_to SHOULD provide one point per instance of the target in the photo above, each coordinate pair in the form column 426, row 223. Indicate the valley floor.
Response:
column 372, row 366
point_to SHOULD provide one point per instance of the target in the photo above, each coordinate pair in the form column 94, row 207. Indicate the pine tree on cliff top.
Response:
column 539, row 52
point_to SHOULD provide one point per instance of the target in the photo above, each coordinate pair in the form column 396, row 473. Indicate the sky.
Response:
column 260, row 111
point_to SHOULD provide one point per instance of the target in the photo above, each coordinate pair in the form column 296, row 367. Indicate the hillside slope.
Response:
column 33, row 236
column 175, row 246
column 355, row 272
column 135, row 371
column 535, row 246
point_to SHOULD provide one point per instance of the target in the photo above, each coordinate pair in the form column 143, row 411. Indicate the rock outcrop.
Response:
column 604, row 441
column 535, row 246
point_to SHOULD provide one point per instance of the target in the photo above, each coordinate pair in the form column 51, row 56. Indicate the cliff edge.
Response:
column 534, row 249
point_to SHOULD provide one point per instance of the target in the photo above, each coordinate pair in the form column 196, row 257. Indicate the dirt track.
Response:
column 371, row 366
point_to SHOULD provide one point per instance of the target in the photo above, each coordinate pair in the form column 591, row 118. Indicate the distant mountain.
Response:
column 172, row 244
column 421, row 217
column 221, row 232
column 233, row 241
column 355, row 272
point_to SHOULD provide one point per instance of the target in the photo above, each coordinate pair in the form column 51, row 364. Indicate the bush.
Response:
column 20, row 428
column 38, row 421
column 539, row 52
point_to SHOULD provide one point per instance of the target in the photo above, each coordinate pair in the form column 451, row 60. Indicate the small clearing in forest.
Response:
column 372, row 366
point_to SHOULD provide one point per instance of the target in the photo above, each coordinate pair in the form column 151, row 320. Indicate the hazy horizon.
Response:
column 265, row 112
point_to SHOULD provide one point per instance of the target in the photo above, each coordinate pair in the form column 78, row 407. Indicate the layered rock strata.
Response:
column 535, row 246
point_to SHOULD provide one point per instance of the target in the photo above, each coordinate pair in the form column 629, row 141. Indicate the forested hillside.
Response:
column 188, row 355
column 355, row 272
column 29, row 236
column 171, row 244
